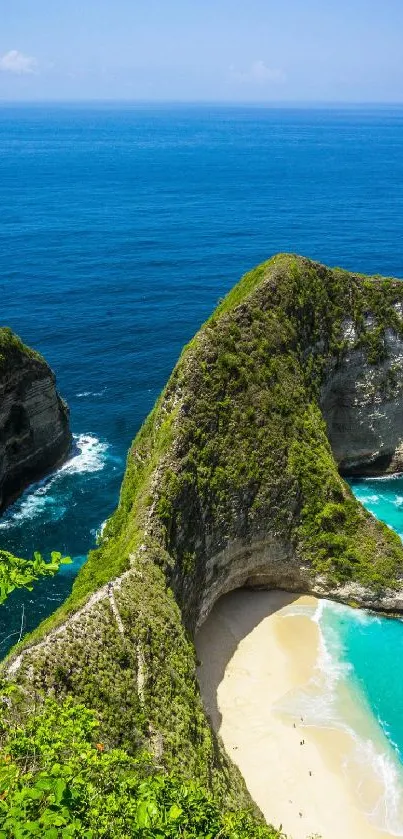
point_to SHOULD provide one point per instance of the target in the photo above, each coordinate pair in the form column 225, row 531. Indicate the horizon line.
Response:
column 284, row 103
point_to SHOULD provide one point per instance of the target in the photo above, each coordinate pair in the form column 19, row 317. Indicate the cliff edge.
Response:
column 235, row 480
column 34, row 421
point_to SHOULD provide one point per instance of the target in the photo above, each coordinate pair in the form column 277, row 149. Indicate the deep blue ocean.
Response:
column 121, row 228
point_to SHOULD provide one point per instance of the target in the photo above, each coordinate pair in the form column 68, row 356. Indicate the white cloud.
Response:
column 258, row 73
column 18, row 63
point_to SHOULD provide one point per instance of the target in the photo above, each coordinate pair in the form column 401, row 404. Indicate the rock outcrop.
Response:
column 363, row 407
column 234, row 481
column 34, row 421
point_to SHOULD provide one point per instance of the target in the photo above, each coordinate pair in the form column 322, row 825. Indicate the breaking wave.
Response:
column 332, row 699
column 48, row 497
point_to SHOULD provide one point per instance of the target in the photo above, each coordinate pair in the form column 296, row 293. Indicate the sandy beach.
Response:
column 251, row 657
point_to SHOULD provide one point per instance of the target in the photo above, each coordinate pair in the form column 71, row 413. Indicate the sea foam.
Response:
column 374, row 755
column 46, row 497
column 89, row 455
column 86, row 393
column 332, row 699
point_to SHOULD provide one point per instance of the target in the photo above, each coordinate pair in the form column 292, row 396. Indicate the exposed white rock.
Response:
column 363, row 408
column 349, row 332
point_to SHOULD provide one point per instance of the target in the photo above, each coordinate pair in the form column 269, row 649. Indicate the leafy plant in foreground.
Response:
column 59, row 781
column 22, row 573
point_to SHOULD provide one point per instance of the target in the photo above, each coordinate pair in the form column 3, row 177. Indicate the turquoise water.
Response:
column 356, row 688
column 384, row 498
column 375, row 646
column 362, row 687
column 363, row 694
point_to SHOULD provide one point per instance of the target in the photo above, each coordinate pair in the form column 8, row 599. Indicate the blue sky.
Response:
column 226, row 50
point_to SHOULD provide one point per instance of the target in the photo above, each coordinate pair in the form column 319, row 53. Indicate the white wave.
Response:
column 89, row 455
column 368, row 499
column 360, row 616
column 394, row 476
column 386, row 813
column 330, row 661
column 99, row 531
column 86, row 393
column 318, row 705
column 32, row 504
column 386, row 729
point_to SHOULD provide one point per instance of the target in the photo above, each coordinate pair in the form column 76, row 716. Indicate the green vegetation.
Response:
column 22, row 573
column 253, row 438
column 103, row 669
column 58, row 780
column 12, row 348
column 336, row 535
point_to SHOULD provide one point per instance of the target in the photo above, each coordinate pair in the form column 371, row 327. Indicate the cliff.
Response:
column 234, row 481
column 34, row 426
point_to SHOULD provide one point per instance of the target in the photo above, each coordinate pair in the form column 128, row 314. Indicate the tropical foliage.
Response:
column 22, row 573
column 58, row 780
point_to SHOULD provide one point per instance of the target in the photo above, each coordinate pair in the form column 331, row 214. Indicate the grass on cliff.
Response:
column 12, row 348
column 56, row 780
column 254, row 454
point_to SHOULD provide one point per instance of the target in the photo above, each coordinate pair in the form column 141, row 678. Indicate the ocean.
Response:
column 122, row 227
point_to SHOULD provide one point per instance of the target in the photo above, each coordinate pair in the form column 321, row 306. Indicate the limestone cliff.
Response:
column 232, row 481
column 363, row 404
column 34, row 427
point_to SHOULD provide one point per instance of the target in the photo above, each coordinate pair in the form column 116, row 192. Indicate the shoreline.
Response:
column 253, row 656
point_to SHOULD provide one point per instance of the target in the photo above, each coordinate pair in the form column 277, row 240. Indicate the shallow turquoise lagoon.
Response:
column 374, row 646
column 357, row 686
column 362, row 654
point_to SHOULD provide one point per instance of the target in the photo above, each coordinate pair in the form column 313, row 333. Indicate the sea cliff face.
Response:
column 362, row 404
column 234, row 481
column 34, row 421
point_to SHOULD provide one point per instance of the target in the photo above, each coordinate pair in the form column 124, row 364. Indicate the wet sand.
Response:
column 251, row 657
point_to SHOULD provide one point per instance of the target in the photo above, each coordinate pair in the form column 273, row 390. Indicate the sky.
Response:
column 202, row 50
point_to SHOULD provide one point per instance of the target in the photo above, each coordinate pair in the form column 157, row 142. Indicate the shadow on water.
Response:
column 233, row 618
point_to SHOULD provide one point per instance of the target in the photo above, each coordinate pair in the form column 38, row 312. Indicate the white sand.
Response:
column 250, row 658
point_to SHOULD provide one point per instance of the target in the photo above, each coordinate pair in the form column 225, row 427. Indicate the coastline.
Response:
column 253, row 657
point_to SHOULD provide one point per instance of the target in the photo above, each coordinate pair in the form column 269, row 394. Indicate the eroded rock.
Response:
column 34, row 421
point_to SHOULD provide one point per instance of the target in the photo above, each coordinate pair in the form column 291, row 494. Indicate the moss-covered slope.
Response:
column 232, row 481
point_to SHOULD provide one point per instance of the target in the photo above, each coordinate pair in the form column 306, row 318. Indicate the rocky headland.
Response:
column 34, row 421
column 235, row 479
